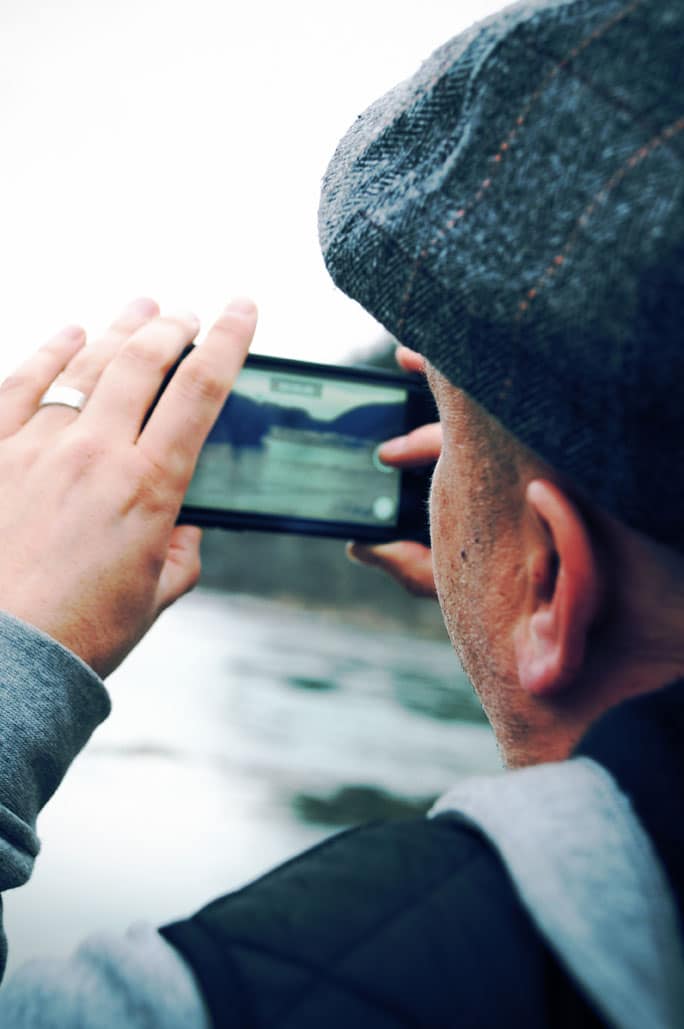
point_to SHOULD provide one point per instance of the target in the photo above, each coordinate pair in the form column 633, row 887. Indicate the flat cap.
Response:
column 515, row 212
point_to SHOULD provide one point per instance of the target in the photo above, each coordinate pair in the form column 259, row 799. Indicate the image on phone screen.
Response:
column 303, row 446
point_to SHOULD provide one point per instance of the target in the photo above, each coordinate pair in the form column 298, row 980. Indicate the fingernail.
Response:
column 361, row 553
column 242, row 305
column 142, row 306
column 392, row 448
column 352, row 551
column 74, row 332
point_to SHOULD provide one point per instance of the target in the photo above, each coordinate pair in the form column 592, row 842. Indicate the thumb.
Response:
column 182, row 568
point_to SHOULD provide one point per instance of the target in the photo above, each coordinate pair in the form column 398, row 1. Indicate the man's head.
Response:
column 557, row 610
column 515, row 213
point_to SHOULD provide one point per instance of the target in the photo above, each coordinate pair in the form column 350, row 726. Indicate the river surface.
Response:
column 242, row 731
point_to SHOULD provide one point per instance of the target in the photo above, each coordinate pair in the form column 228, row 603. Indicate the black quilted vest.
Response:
column 416, row 923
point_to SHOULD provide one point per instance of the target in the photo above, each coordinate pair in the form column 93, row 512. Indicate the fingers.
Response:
column 407, row 562
column 84, row 370
column 182, row 420
column 181, row 571
column 420, row 447
column 21, row 392
column 132, row 378
column 409, row 360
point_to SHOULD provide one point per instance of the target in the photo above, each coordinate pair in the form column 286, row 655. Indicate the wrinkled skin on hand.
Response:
column 90, row 550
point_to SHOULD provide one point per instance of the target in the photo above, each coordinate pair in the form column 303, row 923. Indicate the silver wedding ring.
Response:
column 65, row 396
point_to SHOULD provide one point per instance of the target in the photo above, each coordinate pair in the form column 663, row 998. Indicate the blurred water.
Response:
column 243, row 730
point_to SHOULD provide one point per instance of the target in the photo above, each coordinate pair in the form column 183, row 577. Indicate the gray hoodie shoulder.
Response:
column 591, row 881
column 50, row 704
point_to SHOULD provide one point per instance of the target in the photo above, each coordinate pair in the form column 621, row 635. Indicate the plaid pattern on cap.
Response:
column 515, row 212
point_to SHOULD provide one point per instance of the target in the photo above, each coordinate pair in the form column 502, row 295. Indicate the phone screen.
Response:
column 299, row 445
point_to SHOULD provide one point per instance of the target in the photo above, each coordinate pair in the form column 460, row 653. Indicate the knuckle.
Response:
column 157, row 344
column 24, row 455
column 82, row 451
column 49, row 351
column 199, row 381
column 230, row 325
column 15, row 383
column 235, row 331
column 156, row 490
column 146, row 351
column 54, row 348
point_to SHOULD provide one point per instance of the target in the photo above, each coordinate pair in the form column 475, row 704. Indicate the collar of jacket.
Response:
column 589, row 844
column 641, row 743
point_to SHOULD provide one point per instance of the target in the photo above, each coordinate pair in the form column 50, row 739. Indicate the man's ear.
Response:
column 563, row 592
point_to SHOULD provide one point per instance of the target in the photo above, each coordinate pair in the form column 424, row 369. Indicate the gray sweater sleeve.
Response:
column 135, row 981
column 50, row 703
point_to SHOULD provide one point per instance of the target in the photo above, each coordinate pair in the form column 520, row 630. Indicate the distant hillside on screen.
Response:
column 251, row 420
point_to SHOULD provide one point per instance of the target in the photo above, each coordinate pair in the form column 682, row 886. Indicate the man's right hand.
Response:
column 408, row 562
column 90, row 552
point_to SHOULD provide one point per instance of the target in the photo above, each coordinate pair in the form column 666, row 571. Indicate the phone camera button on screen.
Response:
column 383, row 508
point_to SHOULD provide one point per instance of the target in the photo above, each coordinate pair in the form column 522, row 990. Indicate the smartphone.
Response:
column 295, row 449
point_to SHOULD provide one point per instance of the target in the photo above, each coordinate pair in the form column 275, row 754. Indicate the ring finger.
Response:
column 85, row 368
column 20, row 393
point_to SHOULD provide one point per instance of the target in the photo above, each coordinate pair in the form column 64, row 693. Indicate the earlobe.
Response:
column 562, row 593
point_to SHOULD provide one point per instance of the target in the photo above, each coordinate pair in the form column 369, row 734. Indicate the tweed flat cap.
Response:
column 515, row 212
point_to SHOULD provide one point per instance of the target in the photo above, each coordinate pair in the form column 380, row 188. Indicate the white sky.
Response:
column 176, row 149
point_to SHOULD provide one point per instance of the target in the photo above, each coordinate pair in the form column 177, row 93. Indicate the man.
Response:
column 514, row 214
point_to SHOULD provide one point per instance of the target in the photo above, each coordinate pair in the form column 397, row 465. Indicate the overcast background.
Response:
column 174, row 149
